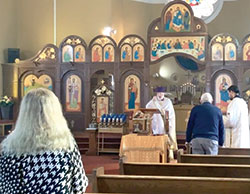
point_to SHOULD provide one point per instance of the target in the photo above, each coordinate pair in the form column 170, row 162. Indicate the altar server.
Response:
column 237, row 119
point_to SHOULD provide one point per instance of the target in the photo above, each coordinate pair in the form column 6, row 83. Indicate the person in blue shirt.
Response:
column 190, row 44
column 169, row 46
column 154, row 52
column 177, row 44
column 205, row 129
column 163, row 45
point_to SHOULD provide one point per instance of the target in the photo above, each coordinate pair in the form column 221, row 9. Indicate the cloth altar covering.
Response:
column 141, row 148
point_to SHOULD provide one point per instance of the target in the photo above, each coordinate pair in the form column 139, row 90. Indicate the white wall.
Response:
column 233, row 19
column 8, row 31
column 35, row 26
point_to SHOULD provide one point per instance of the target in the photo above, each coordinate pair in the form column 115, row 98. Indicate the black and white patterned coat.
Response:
column 51, row 172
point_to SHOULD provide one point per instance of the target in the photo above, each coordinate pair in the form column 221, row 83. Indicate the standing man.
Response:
column 163, row 104
column 237, row 119
column 205, row 127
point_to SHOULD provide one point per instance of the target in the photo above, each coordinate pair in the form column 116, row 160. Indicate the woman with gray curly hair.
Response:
column 41, row 155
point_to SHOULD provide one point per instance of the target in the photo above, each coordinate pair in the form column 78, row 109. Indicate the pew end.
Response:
column 122, row 160
column 95, row 173
column 179, row 153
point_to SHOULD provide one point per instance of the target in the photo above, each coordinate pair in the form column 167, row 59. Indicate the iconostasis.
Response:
column 115, row 77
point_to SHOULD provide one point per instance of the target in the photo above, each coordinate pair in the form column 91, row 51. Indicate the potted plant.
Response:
column 6, row 106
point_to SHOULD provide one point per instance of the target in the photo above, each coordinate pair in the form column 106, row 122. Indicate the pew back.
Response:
column 165, row 184
column 212, row 159
column 196, row 170
column 234, row 151
column 218, row 159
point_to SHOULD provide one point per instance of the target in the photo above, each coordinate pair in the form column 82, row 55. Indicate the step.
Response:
column 110, row 146
column 83, row 151
column 82, row 139
column 82, row 143
column 109, row 150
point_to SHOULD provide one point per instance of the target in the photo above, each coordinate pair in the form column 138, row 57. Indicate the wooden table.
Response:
column 101, row 135
column 144, row 148
column 4, row 123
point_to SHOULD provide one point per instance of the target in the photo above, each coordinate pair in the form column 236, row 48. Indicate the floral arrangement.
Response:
column 6, row 101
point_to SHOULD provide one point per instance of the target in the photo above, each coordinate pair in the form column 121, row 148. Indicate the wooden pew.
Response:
column 180, row 169
column 167, row 184
column 234, row 151
column 226, row 151
column 209, row 159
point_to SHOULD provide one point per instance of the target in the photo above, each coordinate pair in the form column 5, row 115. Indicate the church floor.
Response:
column 110, row 162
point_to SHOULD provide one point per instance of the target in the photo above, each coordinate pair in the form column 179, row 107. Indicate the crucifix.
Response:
column 189, row 75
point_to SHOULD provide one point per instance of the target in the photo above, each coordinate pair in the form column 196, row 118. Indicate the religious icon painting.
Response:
column 138, row 53
column 230, row 52
column 32, row 82
column 190, row 45
column 102, row 106
column 96, row 53
column 222, row 82
column 109, row 53
column 79, row 53
column 177, row 18
column 67, row 53
column 126, row 53
column 132, row 93
column 217, row 52
column 246, row 52
column 73, row 94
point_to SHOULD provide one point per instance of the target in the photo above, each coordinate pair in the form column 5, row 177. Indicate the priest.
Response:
column 163, row 104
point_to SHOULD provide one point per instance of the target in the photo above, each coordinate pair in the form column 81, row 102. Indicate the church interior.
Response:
column 104, row 59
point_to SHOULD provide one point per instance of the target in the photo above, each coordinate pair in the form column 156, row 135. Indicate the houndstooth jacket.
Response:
column 51, row 172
